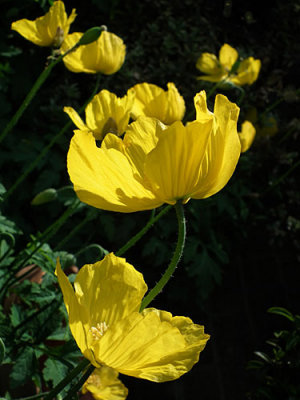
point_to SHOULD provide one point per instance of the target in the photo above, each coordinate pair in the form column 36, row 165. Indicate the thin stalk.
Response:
column 34, row 397
column 38, row 83
column 45, row 150
column 79, row 384
column 142, row 232
column 58, row 388
column 174, row 261
column 282, row 178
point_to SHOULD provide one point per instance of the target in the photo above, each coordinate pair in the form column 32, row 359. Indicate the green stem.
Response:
column 51, row 395
column 45, row 150
column 281, row 178
column 79, row 384
column 142, row 232
column 214, row 88
column 174, row 261
column 38, row 83
column 34, row 397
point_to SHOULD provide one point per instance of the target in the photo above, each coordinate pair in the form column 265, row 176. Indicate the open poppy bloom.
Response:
column 247, row 135
column 221, row 69
column 105, row 55
column 155, row 164
column 106, row 113
column 104, row 384
column 105, row 321
column 152, row 101
column 48, row 30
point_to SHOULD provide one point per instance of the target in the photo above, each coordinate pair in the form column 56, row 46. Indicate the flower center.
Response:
column 94, row 380
column 98, row 330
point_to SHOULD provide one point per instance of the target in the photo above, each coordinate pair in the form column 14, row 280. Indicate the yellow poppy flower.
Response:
column 152, row 101
column 155, row 164
column 105, row 321
column 48, row 30
column 247, row 135
column 104, row 384
column 106, row 113
column 105, row 55
column 217, row 70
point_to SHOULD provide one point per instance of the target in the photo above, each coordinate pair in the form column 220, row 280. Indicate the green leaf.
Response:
column 54, row 371
column 282, row 311
column 91, row 35
column 2, row 351
column 23, row 369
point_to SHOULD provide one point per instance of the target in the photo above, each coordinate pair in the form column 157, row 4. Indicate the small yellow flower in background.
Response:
column 104, row 384
column 105, row 55
column 105, row 321
column 217, row 70
column 49, row 30
column 106, row 113
column 247, row 135
column 155, row 164
column 152, row 101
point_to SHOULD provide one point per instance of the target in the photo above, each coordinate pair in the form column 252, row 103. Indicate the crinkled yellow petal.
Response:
column 152, row 101
column 78, row 314
column 104, row 384
column 173, row 166
column 43, row 30
column 228, row 56
column 104, row 178
column 247, row 135
column 75, row 118
column 110, row 290
column 105, row 55
column 141, row 137
column 223, row 149
column 104, row 107
column 209, row 64
column 202, row 112
column 149, row 346
column 145, row 93
column 247, row 72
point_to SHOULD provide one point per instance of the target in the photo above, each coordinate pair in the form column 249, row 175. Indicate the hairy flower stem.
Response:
column 45, row 150
column 38, row 83
column 174, row 261
column 78, row 385
column 82, row 366
column 142, row 232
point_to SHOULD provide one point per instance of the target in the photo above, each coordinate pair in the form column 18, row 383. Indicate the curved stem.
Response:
column 174, row 261
column 142, row 232
column 51, row 395
column 45, row 150
column 38, row 83
column 81, row 381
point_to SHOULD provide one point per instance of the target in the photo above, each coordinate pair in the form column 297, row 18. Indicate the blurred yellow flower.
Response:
column 105, row 55
column 106, row 113
column 49, row 30
column 105, row 321
column 221, row 69
column 247, row 135
column 104, row 384
column 155, row 164
column 152, row 101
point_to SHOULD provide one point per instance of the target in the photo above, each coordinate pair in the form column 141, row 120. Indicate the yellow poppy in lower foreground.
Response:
column 105, row 321
column 48, row 30
column 155, row 164
column 105, row 55
column 104, row 384
column 106, row 113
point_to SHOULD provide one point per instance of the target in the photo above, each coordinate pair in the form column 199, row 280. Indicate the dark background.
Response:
column 242, row 254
